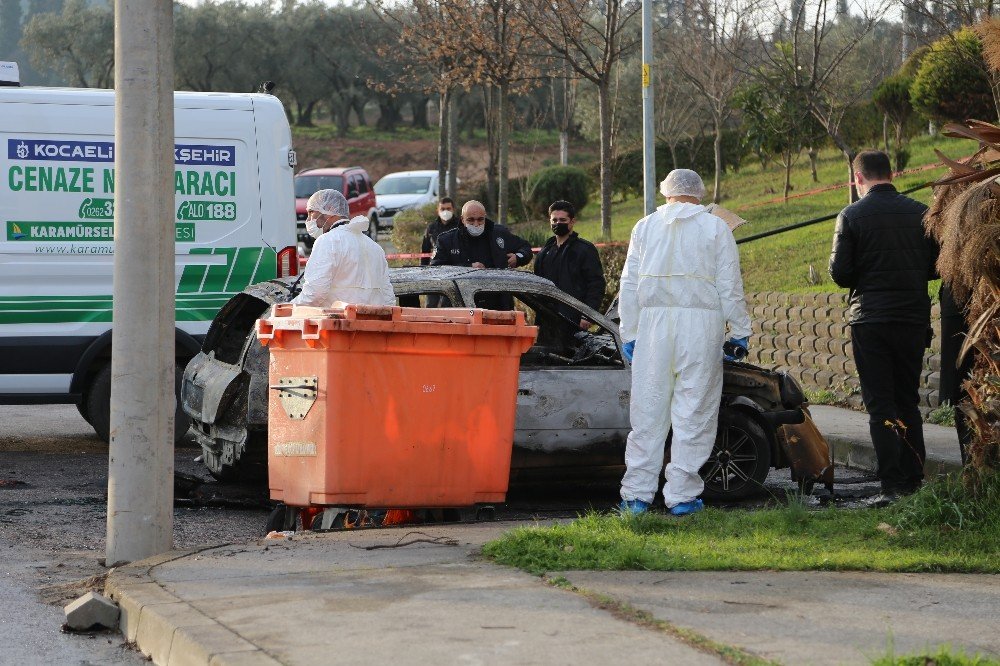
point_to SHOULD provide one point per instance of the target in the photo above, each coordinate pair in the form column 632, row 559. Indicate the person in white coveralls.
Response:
column 680, row 287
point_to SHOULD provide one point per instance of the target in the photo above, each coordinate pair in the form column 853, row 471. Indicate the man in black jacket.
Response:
column 445, row 222
column 571, row 262
column 882, row 254
column 481, row 243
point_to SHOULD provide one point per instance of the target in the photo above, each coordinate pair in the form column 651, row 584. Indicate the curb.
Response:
column 858, row 455
column 172, row 632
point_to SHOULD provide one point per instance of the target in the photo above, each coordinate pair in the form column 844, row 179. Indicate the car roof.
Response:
column 403, row 174
column 508, row 278
column 328, row 171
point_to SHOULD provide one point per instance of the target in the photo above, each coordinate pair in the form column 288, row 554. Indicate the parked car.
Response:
column 402, row 190
column 352, row 182
column 573, row 395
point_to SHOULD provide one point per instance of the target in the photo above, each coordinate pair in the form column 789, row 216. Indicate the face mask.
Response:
column 446, row 215
column 560, row 228
column 312, row 228
column 474, row 230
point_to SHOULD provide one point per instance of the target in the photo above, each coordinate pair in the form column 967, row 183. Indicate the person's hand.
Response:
column 478, row 264
column 511, row 260
column 628, row 349
column 585, row 324
column 735, row 349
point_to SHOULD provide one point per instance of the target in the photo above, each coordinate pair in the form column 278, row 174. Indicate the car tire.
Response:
column 81, row 406
column 98, row 404
column 740, row 459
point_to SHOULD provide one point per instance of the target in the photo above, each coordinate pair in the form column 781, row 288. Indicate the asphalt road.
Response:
column 53, row 490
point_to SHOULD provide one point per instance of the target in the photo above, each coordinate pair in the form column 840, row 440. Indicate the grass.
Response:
column 943, row 415
column 781, row 263
column 941, row 528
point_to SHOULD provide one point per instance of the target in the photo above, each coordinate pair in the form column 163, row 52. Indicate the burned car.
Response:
column 573, row 394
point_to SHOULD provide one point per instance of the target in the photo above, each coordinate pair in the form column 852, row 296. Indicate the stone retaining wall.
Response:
column 807, row 335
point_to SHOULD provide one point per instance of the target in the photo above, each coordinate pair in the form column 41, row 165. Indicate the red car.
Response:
column 352, row 182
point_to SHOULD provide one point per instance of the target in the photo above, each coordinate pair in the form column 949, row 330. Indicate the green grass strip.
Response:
column 939, row 529
column 942, row 657
column 629, row 613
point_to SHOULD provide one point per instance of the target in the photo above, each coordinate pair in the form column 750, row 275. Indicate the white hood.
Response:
column 358, row 224
column 679, row 210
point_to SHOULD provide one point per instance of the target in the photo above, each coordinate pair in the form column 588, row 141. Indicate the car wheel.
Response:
column 81, row 406
column 740, row 459
column 98, row 404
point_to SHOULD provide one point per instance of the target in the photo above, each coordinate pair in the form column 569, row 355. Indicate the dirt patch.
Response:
column 60, row 594
column 380, row 157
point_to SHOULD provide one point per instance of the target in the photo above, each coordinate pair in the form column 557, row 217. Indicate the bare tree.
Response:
column 562, row 89
column 820, row 60
column 591, row 37
column 707, row 52
column 676, row 107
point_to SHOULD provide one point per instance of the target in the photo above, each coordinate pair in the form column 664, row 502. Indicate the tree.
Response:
column 949, row 86
column 10, row 28
column 495, row 53
column 53, row 43
column 811, row 61
column 892, row 97
column 591, row 37
column 708, row 52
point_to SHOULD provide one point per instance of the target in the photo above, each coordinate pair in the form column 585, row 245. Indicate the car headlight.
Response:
column 381, row 210
column 792, row 395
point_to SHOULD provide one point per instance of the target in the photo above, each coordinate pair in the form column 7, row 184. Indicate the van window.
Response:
column 403, row 185
column 362, row 185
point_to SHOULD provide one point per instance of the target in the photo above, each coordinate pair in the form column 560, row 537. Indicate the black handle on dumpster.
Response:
column 285, row 387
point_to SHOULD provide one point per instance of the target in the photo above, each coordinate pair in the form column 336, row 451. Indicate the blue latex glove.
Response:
column 735, row 349
column 628, row 349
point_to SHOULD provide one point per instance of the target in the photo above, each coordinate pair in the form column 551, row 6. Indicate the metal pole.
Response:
column 648, row 131
column 141, row 461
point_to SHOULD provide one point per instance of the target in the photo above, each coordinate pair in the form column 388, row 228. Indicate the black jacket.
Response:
column 882, row 254
column 435, row 229
column 575, row 268
column 456, row 247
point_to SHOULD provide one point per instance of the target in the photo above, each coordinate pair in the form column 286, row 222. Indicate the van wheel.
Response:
column 81, row 406
column 740, row 459
column 98, row 404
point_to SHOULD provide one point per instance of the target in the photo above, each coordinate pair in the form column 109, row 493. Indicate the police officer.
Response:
column 481, row 243
column 571, row 262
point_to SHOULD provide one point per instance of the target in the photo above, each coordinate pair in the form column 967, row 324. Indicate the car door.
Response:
column 353, row 194
column 574, row 388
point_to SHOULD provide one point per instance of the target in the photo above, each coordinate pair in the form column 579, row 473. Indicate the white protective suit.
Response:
column 346, row 265
column 680, row 286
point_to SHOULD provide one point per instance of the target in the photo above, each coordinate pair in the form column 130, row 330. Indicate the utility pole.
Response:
column 141, row 460
column 648, row 130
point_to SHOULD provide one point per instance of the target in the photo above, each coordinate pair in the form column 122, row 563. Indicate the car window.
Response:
column 362, row 184
column 403, row 185
column 561, row 341
column 424, row 299
column 306, row 186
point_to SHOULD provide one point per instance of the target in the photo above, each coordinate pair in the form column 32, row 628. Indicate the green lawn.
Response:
column 939, row 529
column 781, row 263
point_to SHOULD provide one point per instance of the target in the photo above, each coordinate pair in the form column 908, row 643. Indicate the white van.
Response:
column 235, row 217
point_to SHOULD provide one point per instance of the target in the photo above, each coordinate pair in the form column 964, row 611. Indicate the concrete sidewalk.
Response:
column 422, row 594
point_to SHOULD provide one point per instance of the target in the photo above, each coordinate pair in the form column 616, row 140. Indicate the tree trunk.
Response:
column 304, row 114
column 444, row 125
column 813, row 158
column 503, row 134
column 419, row 108
column 492, row 147
column 604, row 109
column 342, row 116
column 788, row 174
column 358, row 105
column 563, row 148
column 673, row 154
column 717, row 193
column 852, row 194
column 388, row 116
column 885, row 132
column 453, row 145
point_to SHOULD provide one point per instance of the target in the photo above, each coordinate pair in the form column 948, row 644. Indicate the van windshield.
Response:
column 403, row 185
column 306, row 186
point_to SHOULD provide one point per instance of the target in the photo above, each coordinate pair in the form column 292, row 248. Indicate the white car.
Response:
column 404, row 189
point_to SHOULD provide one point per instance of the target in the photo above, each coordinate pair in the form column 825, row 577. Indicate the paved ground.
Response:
column 279, row 601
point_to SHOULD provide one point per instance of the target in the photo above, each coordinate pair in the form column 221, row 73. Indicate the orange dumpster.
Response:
column 391, row 407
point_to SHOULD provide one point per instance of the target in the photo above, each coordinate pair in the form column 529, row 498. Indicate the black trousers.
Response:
column 889, row 357
column 953, row 332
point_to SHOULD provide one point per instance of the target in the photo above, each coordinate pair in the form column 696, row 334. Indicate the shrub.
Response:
column 951, row 83
column 612, row 261
column 553, row 183
column 409, row 226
